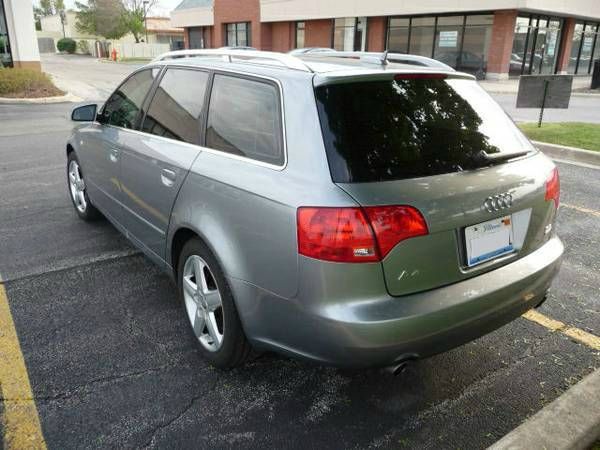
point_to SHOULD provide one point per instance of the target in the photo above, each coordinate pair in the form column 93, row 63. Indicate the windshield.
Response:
column 408, row 128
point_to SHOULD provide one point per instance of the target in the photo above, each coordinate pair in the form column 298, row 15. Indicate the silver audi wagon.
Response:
column 333, row 206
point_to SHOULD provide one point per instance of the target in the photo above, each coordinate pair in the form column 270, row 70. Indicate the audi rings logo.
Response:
column 498, row 202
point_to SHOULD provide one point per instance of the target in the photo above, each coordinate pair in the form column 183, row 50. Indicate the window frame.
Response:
column 235, row 25
column 260, row 79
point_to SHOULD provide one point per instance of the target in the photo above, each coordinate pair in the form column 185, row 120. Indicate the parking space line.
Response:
column 593, row 212
column 20, row 420
column 574, row 333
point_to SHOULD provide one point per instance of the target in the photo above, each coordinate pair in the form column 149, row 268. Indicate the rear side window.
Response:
column 407, row 128
column 244, row 118
column 122, row 109
column 176, row 108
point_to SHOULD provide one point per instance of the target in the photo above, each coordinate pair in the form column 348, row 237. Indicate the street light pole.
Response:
column 146, row 18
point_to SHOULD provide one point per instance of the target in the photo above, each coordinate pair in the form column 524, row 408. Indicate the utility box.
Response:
column 596, row 75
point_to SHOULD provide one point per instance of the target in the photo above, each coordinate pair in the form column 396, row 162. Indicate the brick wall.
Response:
column 230, row 11
column 318, row 33
column 503, row 31
column 376, row 33
column 283, row 36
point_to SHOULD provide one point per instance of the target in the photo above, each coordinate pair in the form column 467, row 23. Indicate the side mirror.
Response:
column 85, row 113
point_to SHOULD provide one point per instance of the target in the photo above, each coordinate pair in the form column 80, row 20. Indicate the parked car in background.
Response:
column 331, row 208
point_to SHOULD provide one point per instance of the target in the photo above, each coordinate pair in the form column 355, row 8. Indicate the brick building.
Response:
column 493, row 38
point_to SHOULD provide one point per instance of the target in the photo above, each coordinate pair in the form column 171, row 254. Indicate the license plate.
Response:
column 488, row 240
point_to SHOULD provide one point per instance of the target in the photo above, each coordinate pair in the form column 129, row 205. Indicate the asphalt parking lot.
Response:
column 111, row 363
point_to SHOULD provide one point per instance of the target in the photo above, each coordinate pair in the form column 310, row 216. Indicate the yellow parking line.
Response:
column 584, row 337
column 593, row 212
column 20, row 420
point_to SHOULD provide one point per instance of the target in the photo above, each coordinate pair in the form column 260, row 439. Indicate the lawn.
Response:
column 571, row 134
column 26, row 83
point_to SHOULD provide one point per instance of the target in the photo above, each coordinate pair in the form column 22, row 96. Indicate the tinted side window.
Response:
column 244, row 118
column 123, row 107
column 177, row 106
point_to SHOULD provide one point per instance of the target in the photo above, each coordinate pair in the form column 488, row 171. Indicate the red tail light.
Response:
column 553, row 187
column 356, row 234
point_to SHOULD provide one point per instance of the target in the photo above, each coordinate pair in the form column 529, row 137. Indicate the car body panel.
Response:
column 245, row 211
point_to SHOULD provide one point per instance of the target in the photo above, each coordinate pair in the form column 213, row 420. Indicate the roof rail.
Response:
column 383, row 58
column 289, row 61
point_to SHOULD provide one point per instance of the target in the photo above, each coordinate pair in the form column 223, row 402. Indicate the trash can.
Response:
column 596, row 75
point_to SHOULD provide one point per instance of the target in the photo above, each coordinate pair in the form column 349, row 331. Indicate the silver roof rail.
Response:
column 251, row 56
column 382, row 59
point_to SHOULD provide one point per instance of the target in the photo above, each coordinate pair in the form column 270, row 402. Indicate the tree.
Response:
column 101, row 17
column 46, row 8
column 59, row 5
column 134, row 18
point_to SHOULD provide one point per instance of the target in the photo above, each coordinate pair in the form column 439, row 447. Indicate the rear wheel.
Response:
column 209, row 307
column 77, row 189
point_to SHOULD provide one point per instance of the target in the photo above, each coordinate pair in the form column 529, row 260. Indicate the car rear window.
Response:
column 407, row 128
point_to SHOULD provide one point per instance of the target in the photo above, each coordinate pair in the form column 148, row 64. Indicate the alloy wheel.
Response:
column 77, row 186
column 203, row 303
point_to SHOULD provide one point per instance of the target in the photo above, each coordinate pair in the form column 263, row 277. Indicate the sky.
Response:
column 162, row 9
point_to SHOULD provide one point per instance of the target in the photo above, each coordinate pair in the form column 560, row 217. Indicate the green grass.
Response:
column 26, row 83
column 572, row 134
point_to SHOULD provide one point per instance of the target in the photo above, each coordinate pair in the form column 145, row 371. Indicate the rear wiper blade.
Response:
column 501, row 156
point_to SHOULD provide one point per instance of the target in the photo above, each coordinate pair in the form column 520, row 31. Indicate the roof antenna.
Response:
column 384, row 61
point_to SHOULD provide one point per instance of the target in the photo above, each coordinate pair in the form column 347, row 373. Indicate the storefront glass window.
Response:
column 584, row 48
column 448, row 40
column 459, row 41
column 535, row 45
column 398, row 33
column 5, row 53
column 476, row 43
column 349, row 34
column 587, row 46
column 421, row 36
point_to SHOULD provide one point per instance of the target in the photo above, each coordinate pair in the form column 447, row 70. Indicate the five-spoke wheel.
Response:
column 203, row 303
column 210, row 307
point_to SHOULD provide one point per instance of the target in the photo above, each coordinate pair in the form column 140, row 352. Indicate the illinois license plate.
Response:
column 488, row 240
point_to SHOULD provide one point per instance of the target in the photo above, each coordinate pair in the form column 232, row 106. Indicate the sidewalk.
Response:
column 511, row 86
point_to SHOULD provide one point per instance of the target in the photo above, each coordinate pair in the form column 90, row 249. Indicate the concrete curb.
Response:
column 68, row 98
column 569, row 153
column 572, row 421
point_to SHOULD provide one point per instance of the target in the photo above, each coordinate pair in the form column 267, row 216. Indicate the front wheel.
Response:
column 78, row 191
column 209, row 307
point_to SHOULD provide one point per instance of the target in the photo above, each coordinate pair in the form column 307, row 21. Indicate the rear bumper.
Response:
column 379, row 330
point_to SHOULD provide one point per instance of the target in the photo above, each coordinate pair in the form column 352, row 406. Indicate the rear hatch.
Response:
column 438, row 143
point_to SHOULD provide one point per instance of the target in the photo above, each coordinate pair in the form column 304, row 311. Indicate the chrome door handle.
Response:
column 114, row 155
column 168, row 177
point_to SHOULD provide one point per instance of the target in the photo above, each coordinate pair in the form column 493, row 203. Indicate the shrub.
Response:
column 66, row 45
column 84, row 47
column 27, row 83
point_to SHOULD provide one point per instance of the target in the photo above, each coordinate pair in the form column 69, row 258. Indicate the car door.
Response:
column 102, row 162
column 156, row 162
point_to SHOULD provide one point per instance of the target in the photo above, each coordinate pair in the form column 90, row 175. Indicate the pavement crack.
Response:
column 101, row 381
column 168, row 423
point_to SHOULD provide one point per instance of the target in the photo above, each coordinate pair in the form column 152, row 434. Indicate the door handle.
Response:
column 168, row 177
column 114, row 155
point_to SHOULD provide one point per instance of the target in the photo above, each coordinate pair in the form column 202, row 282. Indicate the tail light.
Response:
column 553, row 187
column 356, row 234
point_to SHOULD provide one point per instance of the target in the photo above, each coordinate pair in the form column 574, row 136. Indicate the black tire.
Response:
column 89, row 213
column 235, row 348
